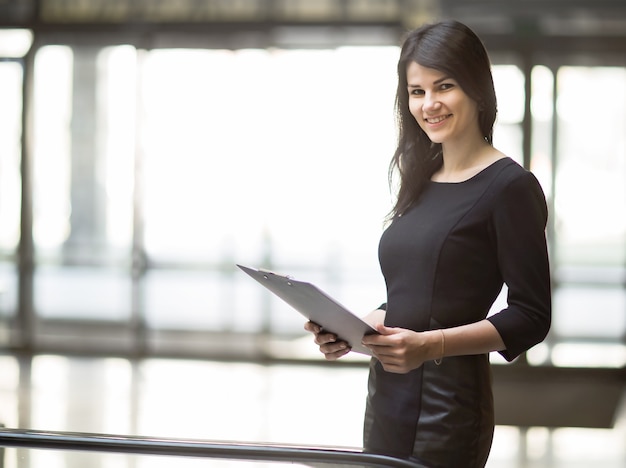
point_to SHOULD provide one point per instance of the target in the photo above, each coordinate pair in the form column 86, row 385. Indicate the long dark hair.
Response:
column 454, row 49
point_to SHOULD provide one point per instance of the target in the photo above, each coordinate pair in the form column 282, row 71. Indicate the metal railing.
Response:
column 55, row 440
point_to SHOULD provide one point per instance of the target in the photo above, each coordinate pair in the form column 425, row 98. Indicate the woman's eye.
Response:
column 445, row 86
column 417, row 92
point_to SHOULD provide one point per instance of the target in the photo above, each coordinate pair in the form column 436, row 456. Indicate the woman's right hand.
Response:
column 330, row 347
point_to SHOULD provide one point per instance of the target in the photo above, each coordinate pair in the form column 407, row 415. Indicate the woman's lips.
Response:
column 436, row 120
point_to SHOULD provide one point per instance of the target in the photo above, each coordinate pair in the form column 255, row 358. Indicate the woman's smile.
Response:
column 440, row 106
column 438, row 119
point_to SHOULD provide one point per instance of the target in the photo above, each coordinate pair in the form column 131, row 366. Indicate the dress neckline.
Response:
column 479, row 173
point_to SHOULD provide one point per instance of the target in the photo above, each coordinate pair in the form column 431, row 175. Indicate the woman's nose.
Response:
column 431, row 102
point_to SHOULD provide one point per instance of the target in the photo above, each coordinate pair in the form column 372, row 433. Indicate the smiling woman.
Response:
column 467, row 220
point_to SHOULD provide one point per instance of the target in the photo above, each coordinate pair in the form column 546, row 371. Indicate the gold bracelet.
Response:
column 443, row 347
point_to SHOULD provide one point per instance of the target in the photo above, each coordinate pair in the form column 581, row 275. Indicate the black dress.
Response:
column 444, row 262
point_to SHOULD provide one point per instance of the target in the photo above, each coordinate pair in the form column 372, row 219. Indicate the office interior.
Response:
column 147, row 147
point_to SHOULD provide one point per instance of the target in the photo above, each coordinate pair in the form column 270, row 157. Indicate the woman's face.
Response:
column 441, row 108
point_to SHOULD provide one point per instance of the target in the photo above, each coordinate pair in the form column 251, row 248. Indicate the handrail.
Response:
column 91, row 442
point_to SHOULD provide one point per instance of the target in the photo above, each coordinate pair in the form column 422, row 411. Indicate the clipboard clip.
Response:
column 269, row 272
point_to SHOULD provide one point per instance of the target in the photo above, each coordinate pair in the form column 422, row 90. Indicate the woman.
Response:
column 467, row 220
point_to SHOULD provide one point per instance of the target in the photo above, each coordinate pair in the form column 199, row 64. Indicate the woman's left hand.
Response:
column 399, row 350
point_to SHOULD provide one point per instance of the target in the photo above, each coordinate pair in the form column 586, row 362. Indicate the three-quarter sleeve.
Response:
column 518, row 223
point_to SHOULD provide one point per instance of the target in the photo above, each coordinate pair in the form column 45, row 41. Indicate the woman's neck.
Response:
column 463, row 162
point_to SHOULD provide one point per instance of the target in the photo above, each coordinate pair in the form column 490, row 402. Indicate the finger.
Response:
column 334, row 347
column 337, row 355
column 389, row 358
column 376, row 340
column 385, row 355
column 381, row 339
column 323, row 338
column 312, row 327
column 383, row 330
column 335, row 350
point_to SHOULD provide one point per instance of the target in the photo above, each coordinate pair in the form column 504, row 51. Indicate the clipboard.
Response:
column 317, row 306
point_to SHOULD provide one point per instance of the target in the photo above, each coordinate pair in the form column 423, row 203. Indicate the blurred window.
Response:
column 83, row 181
column 195, row 160
column 10, row 148
column 10, row 184
column 590, row 192
column 590, row 208
column 508, row 81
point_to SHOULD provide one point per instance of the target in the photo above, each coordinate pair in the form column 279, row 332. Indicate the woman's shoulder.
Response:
column 508, row 171
column 514, row 187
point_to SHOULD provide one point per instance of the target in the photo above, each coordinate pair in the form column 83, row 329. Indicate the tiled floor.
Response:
column 308, row 405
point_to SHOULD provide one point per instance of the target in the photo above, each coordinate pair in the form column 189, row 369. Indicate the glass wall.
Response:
column 199, row 159
column 83, row 186
column 591, row 175
column 509, row 80
column 11, row 76
column 155, row 172
column 10, row 146
column 275, row 159
column 590, row 220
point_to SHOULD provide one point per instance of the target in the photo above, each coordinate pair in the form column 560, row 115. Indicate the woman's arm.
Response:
column 400, row 350
column 519, row 220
